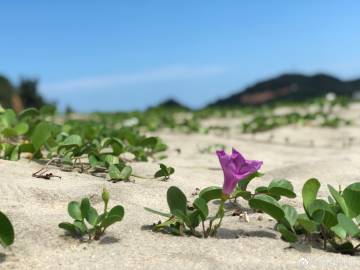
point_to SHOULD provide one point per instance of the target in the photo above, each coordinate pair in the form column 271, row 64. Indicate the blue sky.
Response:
column 123, row 55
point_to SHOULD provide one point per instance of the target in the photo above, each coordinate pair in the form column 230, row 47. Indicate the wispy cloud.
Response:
column 136, row 78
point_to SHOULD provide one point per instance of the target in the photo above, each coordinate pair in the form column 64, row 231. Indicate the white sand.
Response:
column 36, row 206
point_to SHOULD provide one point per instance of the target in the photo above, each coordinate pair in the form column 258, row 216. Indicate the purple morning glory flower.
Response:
column 236, row 168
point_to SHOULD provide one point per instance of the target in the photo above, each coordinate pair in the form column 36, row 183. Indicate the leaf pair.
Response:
column 95, row 224
column 164, row 172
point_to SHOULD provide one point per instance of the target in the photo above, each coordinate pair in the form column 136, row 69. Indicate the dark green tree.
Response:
column 6, row 92
column 29, row 94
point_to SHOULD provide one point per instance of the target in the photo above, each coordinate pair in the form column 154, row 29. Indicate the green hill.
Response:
column 290, row 87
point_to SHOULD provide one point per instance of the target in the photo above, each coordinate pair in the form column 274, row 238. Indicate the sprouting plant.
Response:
column 164, row 172
column 6, row 231
column 87, row 221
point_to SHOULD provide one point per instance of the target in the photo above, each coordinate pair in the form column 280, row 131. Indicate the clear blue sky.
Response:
column 121, row 55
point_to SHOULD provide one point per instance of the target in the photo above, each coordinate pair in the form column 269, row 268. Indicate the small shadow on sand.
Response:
column 214, row 168
column 234, row 234
column 147, row 227
column 108, row 240
column 2, row 257
column 234, row 206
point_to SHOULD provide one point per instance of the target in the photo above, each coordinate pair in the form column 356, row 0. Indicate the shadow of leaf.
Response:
column 234, row 234
column 2, row 257
column 108, row 240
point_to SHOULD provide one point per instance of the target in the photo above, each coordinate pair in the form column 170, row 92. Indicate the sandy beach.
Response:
column 36, row 206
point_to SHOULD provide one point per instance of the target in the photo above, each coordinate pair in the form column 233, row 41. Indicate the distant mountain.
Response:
column 290, row 87
column 171, row 104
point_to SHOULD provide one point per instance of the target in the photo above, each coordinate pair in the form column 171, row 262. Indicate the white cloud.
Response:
column 156, row 75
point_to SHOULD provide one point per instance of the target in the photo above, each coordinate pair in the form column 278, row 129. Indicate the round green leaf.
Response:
column 351, row 195
column 176, row 200
column 309, row 192
column 74, row 210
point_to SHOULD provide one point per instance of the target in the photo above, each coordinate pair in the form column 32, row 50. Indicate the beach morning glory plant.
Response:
column 184, row 219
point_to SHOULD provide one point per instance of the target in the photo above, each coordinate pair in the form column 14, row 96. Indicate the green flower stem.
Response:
column 219, row 214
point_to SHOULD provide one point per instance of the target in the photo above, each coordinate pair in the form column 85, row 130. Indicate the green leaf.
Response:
column 309, row 192
column 41, row 134
column 48, row 110
column 157, row 212
column 339, row 231
column 286, row 234
column 116, row 145
column 114, row 172
column 307, row 224
column 149, row 142
column 351, row 195
column 111, row 160
column 126, row 173
column 8, row 118
column 349, row 226
column 339, row 199
column 176, row 200
column 245, row 182
column 81, row 227
column 321, row 211
column 201, row 205
column 290, row 215
column 74, row 210
column 88, row 212
column 116, row 214
column 9, row 132
column 7, row 234
column 26, row 148
column 261, row 189
column 159, row 173
column 21, row 128
column 281, row 187
column 30, row 112
column 72, row 140
column 268, row 205
column 211, row 193
column 241, row 193
column 71, row 228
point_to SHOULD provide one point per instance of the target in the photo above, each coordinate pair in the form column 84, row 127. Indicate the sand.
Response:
column 36, row 206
